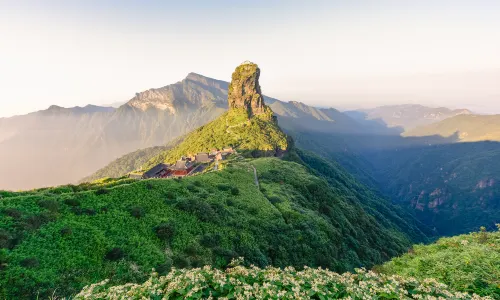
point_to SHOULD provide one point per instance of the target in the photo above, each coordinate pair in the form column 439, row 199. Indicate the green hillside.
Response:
column 467, row 263
column 253, row 136
column 452, row 188
column 61, row 239
column 461, row 267
column 126, row 164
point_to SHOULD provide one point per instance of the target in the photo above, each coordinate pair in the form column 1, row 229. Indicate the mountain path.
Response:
column 255, row 177
column 233, row 126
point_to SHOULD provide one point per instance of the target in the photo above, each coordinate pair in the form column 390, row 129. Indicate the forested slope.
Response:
column 61, row 239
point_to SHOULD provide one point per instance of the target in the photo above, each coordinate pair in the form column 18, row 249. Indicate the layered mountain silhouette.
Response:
column 62, row 145
column 466, row 128
column 406, row 117
column 78, row 141
column 81, row 140
column 267, row 200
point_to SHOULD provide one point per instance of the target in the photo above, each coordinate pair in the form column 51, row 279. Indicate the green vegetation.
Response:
column 61, row 239
column 240, row 282
column 254, row 137
column 346, row 184
column 126, row 164
column 453, row 188
column 468, row 263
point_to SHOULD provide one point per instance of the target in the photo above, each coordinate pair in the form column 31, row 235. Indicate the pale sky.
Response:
column 342, row 54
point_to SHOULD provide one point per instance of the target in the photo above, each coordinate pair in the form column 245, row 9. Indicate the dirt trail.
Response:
column 255, row 176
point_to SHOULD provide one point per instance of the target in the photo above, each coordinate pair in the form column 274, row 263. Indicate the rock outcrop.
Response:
column 244, row 90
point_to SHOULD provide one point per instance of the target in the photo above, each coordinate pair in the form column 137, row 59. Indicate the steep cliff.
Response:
column 244, row 90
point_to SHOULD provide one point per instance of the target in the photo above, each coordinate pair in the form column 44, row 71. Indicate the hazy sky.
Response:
column 329, row 53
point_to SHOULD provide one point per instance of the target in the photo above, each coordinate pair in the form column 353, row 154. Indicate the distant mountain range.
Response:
column 268, row 201
column 467, row 128
column 80, row 140
column 306, row 187
column 62, row 145
column 406, row 117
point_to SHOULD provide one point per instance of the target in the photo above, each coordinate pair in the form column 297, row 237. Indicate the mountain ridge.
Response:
column 468, row 128
column 407, row 116
column 270, row 202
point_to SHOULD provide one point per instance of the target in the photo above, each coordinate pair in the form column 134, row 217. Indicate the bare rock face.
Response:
column 244, row 90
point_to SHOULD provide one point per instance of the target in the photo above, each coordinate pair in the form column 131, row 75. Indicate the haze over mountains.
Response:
column 80, row 140
column 406, row 117
column 377, row 145
column 306, row 186
column 267, row 201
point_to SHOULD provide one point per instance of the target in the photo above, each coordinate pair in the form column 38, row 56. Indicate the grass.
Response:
column 467, row 263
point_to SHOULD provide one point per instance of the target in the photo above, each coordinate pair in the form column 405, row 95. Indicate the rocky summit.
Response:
column 244, row 90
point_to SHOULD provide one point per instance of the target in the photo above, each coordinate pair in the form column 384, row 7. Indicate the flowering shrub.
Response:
column 240, row 282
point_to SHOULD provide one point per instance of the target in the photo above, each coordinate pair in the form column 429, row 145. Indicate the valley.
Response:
column 145, row 155
column 308, row 187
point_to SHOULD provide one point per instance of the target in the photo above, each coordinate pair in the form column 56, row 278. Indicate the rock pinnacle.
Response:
column 244, row 90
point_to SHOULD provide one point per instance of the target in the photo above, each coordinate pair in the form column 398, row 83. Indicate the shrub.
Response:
column 235, row 191
column 201, row 209
column 75, row 188
column 274, row 199
column 66, row 231
column 72, row 202
column 31, row 262
column 3, row 259
column 137, row 212
column 180, row 261
column 114, row 254
column 13, row 213
column 224, row 187
column 325, row 209
column 165, row 231
column 192, row 188
column 51, row 205
column 483, row 235
column 164, row 268
column 210, row 240
column 192, row 249
column 466, row 263
column 149, row 186
column 226, row 254
column 36, row 221
column 84, row 211
column 238, row 282
column 170, row 195
column 4, row 239
column 102, row 191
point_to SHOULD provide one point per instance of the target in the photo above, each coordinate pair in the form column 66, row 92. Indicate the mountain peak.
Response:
column 196, row 77
column 244, row 90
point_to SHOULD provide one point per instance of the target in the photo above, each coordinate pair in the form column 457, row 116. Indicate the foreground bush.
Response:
column 255, row 283
column 467, row 263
